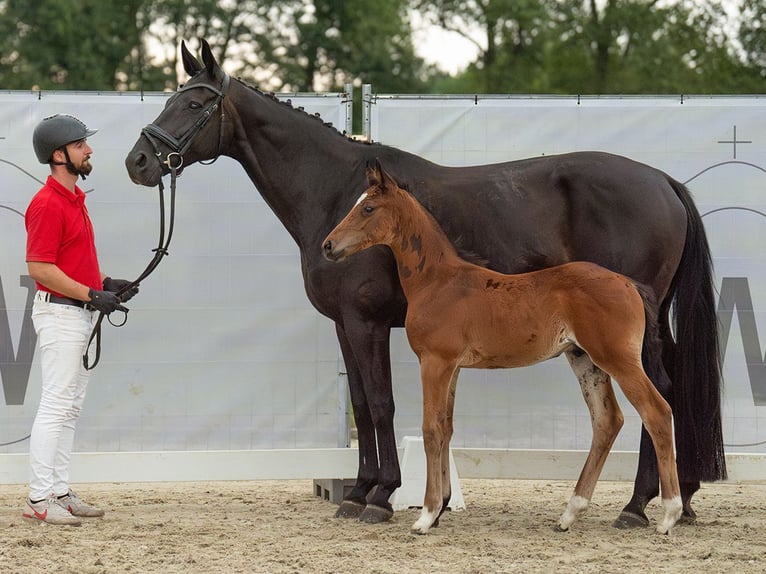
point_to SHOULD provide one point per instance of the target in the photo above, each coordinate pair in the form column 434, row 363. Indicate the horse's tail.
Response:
column 694, row 362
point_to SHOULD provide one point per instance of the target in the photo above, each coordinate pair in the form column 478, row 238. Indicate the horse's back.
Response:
column 539, row 212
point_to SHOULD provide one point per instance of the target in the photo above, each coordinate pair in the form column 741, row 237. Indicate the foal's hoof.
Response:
column 375, row 514
column 349, row 509
column 628, row 520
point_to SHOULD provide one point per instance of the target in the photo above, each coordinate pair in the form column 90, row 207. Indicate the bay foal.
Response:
column 463, row 315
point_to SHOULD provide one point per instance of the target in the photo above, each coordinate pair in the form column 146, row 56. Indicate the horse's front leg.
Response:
column 437, row 377
column 367, row 471
column 370, row 344
column 369, row 378
column 606, row 420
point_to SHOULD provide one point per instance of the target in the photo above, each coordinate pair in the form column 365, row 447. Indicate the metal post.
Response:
column 348, row 90
column 344, row 432
column 366, row 111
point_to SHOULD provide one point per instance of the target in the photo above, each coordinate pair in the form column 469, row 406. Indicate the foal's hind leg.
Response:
column 656, row 415
column 606, row 419
column 647, row 483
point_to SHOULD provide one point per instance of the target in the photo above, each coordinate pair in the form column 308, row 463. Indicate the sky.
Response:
column 449, row 50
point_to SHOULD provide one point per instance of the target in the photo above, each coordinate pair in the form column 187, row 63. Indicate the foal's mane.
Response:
column 457, row 243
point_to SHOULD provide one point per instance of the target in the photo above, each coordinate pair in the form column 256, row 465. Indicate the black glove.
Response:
column 114, row 285
column 104, row 301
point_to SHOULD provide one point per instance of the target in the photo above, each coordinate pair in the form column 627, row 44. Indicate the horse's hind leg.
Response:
column 606, row 419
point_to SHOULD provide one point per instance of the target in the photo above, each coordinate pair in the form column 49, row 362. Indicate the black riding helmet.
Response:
column 55, row 132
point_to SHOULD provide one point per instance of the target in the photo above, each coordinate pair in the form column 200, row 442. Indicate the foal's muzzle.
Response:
column 329, row 252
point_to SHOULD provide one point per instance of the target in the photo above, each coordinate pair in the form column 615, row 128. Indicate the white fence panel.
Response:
column 715, row 144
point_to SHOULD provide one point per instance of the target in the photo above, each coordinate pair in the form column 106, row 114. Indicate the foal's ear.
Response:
column 191, row 64
column 374, row 174
column 388, row 183
column 209, row 60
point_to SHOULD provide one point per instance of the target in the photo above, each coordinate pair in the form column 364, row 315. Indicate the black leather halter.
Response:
column 180, row 145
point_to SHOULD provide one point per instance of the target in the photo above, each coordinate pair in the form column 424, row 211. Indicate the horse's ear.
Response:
column 209, row 60
column 191, row 64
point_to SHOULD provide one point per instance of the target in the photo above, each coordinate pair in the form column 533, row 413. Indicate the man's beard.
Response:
column 84, row 169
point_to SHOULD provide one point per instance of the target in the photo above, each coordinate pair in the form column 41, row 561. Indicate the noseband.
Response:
column 180, row 145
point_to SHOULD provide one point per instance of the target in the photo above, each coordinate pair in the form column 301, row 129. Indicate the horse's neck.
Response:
column 291, row 158
column 424, row 255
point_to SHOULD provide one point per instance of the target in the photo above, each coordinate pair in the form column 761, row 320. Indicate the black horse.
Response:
column 517, row 216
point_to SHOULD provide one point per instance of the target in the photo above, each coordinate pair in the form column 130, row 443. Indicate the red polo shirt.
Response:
column 59, row 231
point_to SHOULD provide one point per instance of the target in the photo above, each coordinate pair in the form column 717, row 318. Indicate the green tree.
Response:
column 644, row 46
column 84, row 45
column 752, row 36
column 592, row 47
column 295, row 45
column 510, row 36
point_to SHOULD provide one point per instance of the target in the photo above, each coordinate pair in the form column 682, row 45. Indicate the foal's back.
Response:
column 492, row 320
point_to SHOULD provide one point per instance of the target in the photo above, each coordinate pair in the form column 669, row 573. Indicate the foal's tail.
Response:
column 694, row 361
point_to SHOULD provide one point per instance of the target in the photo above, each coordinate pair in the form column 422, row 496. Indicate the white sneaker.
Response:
column 49, row 511
column 77, row 507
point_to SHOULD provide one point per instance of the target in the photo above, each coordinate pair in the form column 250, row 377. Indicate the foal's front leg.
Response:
column 437, row 377
column 445, row 454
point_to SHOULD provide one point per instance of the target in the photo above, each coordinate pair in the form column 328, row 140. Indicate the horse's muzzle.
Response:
column 143, row 169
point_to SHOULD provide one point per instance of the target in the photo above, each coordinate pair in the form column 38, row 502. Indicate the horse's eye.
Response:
column 195, row 105
column 368, row 209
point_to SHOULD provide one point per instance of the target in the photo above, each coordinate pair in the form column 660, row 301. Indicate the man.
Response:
column 61, row 258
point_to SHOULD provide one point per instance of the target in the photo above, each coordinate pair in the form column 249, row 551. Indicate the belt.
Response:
column 51, row 298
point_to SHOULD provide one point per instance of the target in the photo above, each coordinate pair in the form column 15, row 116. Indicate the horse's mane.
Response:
column 289, row 104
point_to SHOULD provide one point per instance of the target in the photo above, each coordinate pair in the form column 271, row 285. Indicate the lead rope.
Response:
column 159, row 252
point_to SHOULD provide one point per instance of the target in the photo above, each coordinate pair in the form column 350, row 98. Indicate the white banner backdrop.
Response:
column 222, row 349
column 715, row 144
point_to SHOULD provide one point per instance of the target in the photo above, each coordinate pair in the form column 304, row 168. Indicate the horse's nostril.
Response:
column 328, row 246
column 140, row 160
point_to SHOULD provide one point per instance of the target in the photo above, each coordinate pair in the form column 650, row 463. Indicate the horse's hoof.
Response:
column 688, row 517
column 628, row 520
column 349, row 509
column 559, row 528
column 375, row 514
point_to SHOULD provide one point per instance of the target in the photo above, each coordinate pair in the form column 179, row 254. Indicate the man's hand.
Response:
column 105, row 301
column 114, row 285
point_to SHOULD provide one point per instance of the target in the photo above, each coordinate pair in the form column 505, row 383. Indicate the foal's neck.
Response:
column 423, row 252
